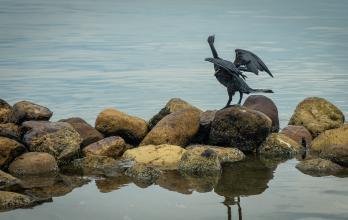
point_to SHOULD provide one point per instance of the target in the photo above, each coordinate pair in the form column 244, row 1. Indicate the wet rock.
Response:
column 33, row 163
column 177, row 128
column 205, row 120
column 112, row 183
column 6, row 180
column 279, row 145
column 6, row 112
column 143, row 174
column 88, row 134
column 317, row 115
column 338, row 136
column 225, row 155
column 265, row 105
column 11, row 130
column 165, row 157
column 56, row 138
column 110, row 147
column 9, row 150
column 297, row 132
column 173, row 105
column 336, row 153
column 27, row 111
column 112, row 122
column 318, row 167
column 205, row 164
column 12, row 200
column 239, row 127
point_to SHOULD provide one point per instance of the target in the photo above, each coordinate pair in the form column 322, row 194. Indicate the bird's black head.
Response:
column 211, row 39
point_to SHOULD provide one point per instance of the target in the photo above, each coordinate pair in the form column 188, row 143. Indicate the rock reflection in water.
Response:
column 113, row 183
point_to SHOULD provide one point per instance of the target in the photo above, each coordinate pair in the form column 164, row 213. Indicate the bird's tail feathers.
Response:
column 262, row 90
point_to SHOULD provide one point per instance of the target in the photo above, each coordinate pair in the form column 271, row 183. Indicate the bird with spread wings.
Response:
column 231, row 74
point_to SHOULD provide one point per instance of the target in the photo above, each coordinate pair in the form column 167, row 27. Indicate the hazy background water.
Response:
column 79, row 57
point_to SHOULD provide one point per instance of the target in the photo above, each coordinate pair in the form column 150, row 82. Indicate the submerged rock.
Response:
column 33, row 163
column 88, row 134
column 338, row 136
column 11, row 130
column 9, row 150
column 6, row 180
column 279, row 145
column 205, row 164
column 165, row 157
column 12, row 200
column 6, row 112
column 265, row 105
column 112, row 122
column 318, row 167
column 177, row 128
column 173, row 105
column 205, row 120
column 297, row 132
column 27, row 111
column 317, row 115
column 110, row 147
column 56, row 138
column 143, row 174
column 336, row 153
column 239, row 127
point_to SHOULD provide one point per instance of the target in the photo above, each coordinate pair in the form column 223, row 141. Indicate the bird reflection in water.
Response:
column 230, row 202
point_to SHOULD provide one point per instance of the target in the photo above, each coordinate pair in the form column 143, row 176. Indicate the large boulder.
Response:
column 12, row 200
column 56, row 138
column 336, row 153
column 9, row 150
column 173, row 105
column 6, row 180
column 112, row 122
column 297, row 132
column 110, row 147
column 205, row 120
column 225, row 155
column 318, row 167
column 265, row 105
column 338, row 136
column 34, row 163
column 177, row 128
column 88, row 134
column 317, row 115
column 239, row 127
column 27, row 111
column 279, row 145
column 205, row 164
column 165, row 157
column 6, row 112
column 11, row 130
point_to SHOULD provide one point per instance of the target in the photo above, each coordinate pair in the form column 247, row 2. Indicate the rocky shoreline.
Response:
column 196, row 145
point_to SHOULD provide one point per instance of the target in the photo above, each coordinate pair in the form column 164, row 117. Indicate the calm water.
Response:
column 79, row 57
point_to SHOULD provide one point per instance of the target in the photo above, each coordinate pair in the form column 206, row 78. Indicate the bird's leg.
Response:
column 230, row 94
column 240, row 98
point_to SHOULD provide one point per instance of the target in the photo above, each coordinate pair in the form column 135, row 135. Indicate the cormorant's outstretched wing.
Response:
column 227, row 65
column 252, row 62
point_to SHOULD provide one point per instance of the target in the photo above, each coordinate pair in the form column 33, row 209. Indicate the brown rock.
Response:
column 26, row 111
column 173, row 105
column 317, row 115
column 318, row 167
column 11, row 130
column 12, row 200
column 88, row 134
column 296, row 133
column 6, row 180
column 34, row 163
column 6, row 112
column 205, row 120
column 239, row 127
column 9, row 150
column 265, row 105
column 177, row 128
column 143, row 174
column 112, row 122
column 110, row 147
column 338, row 136
column 336, row 153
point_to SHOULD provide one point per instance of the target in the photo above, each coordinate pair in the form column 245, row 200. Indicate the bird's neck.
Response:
column 213, row 50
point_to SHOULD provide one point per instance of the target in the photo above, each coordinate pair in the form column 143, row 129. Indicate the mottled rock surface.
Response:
column 338, row 136
column 12, row 200
column 279, row 145
column 336, row 153
column 11, row 130
column 144, row 174
column 6, row 112
column 205, row 120
column 318, row 167
column 317, row 115
column 297, row 132
column 111, row 147
column 27, row 111
column 9, row 150
column 6, row 180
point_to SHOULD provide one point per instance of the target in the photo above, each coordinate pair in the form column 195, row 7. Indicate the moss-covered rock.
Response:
column 239, row 127
column 173, row 105
column 11, row 130
column 56, row 138
column 9, row 150
column 317, row 115
column 12, row 200
column 27, row 111
column 6, row 180
column 6, row 112
column 34, row 163
column 279, row 145
column 297, row 132
column 111, row 147
column 143, row 174
column 336, row 153
column 318, row 167
column 177, row 128
column 112, row 122
column 165, row 157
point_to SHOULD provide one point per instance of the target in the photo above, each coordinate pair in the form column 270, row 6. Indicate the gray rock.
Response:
column 27, row 111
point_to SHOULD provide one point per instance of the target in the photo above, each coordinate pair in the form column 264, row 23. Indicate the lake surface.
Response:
column 79, row 57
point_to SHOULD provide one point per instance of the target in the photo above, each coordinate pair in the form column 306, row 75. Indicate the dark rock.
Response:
column 27, row 111
column 297, row 132
column 143, row 174
column 11, row 130
column 9, row 150
column 205, row 120
column 6, row 112
column 110, row 147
